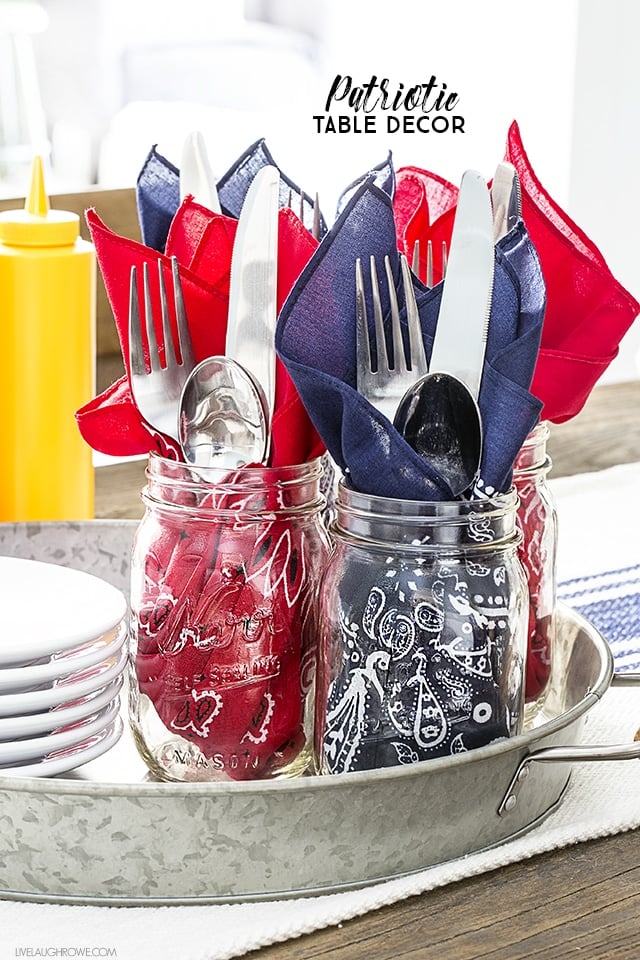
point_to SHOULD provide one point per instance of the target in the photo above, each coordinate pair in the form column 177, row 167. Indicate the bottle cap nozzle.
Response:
column 37, row 202
column 37, row 225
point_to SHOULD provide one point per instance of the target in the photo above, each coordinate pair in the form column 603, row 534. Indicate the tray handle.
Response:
column 573, row 753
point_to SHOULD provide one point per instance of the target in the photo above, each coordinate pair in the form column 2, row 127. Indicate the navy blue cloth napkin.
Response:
column 315, row 338
column 383, row 175
column 158, row 192
column 158, row 198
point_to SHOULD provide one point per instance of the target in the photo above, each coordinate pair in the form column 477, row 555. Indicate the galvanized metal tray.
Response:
column 108, row 834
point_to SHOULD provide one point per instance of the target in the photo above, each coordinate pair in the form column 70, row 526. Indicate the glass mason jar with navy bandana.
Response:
column 423, row 631
column 538, row 522
column 224, row 585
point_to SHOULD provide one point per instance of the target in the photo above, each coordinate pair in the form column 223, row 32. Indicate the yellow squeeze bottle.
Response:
column 47, row 366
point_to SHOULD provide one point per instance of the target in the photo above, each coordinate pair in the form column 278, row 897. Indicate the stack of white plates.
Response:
column 62, row 656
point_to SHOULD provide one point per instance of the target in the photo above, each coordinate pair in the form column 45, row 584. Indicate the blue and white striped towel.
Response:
column 611, row 602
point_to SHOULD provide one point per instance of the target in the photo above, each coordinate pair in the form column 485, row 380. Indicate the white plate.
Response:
column 46, row 609
column 63, row 691
column 21, row 679
column 22, row 750
column 75, row 756
column 12, row 728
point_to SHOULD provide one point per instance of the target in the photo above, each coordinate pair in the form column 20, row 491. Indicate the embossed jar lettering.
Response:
column 225, row 579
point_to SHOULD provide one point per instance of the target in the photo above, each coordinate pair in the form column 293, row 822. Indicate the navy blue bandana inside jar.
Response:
column 423, row 633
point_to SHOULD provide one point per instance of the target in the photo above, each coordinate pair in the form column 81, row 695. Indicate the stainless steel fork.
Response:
column 415, row 261
column 315, row 227
column 382, row 382
column 156, row 388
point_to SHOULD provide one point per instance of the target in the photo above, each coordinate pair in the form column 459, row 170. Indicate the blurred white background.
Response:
column 109, row 78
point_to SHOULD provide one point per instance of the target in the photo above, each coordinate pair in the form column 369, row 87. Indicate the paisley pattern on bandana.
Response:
column 426, row 649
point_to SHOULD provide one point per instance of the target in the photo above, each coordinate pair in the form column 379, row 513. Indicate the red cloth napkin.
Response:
column 202, row 241
column 424, row 207
column 588, row 311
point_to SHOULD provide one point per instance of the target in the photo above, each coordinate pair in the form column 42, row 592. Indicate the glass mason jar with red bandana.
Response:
column 538, row 521
column 225, row 574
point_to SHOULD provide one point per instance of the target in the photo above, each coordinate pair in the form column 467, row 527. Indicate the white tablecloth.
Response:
column 599, row 557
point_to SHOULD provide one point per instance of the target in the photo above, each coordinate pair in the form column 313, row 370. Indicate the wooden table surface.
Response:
column 582, row 901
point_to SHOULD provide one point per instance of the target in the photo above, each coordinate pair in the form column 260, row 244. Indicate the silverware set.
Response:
column 434, row 411
column 220, row 409
column 435, row 406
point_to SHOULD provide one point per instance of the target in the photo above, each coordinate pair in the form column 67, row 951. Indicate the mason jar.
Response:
column 224, row 584
column 423, row 619
column 538, row 523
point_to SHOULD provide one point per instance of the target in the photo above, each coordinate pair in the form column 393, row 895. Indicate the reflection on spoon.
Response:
column 439, row 417
column 223, row 417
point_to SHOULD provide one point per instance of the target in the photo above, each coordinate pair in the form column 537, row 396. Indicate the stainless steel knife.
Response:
column 252, row 298
column 506, row 200
column 463, row 320
column 196, row 175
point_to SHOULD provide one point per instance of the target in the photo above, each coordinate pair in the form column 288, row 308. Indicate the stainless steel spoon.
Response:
column 439, row 417
column 223, row 416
